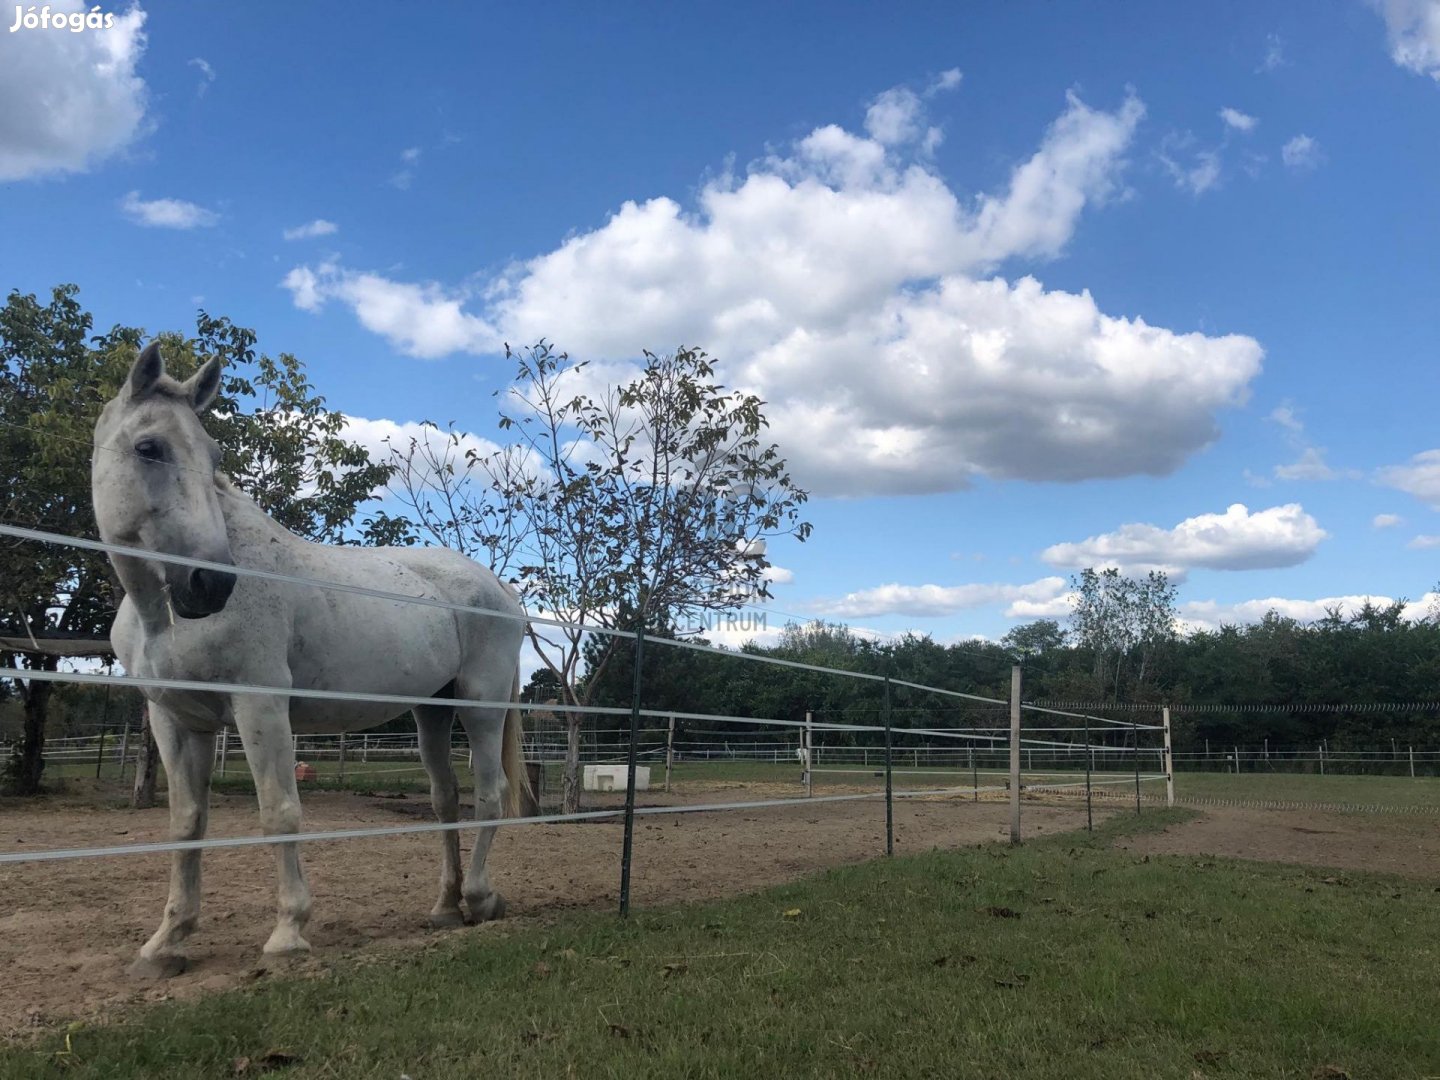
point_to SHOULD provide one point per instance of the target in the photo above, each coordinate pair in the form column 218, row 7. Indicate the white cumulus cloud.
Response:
column 207, row 74
column 1238, row 120
column 378, row 436
column 1211, row 615
column 403, row 177
column 312, row 229
column 1311, row 465
column 1419, row 477
column 70, row 100
column 1386, row 521
column 932, row 600
column 851, row 287
column 1413, row 28
column 895, row 117
column 1235, row 540
column 422, row 320
column 1301, row 153
column 1274, row 58
column 166, row 213
column 1198, row 172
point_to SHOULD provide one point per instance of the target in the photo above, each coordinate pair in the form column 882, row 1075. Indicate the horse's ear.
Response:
column 146, row 371
column 204, row 385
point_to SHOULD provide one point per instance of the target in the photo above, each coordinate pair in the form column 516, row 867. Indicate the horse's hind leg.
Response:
column 434, row 723
column 485, row 728
column 188, row 757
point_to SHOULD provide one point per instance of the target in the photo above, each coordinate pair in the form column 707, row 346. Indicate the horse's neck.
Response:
column 244, row 517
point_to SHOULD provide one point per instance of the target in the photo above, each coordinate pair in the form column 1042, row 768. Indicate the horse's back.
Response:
column 350, row 641
column 459, row 576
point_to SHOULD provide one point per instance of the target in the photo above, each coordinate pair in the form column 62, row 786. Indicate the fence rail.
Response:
column 609, row 745
column 810, row 753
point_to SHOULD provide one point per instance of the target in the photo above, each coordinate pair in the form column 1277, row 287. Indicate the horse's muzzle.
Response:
column 205, row 592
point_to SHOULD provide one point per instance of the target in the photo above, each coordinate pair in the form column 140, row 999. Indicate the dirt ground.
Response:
column 69, row 928
column 1390, row 844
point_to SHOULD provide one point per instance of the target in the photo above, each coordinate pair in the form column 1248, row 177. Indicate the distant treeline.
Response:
column 1374, row 656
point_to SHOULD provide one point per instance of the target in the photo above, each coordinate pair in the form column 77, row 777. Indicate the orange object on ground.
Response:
column 304, row 771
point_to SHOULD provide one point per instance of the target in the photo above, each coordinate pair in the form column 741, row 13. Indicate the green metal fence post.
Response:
column 889, row 789
column 104, row 723
column 1135, row 749
column 630, row 759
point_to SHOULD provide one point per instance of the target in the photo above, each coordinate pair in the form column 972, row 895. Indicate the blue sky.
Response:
column 1029, row 286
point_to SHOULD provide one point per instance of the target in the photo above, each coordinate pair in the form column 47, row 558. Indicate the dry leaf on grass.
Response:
column 266, row 1062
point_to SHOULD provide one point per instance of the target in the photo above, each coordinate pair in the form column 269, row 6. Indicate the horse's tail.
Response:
column 518, row 796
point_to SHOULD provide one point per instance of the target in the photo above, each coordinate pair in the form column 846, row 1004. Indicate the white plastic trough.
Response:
column 612, row 778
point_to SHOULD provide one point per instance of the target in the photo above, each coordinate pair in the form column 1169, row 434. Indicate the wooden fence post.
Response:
column 1015, row 754
column 124, row 747
column 1169, row 760
column 669, row 753
column 809, row 754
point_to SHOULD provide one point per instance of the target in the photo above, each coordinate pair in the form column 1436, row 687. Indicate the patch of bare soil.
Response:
column 1393, row 844
column 69, row 928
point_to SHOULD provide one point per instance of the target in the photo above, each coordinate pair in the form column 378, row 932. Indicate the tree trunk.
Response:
column 27, row 762
column 571, row 786
column 147, row 761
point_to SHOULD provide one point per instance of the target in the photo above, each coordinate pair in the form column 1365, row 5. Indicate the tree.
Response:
column 279, row 442
column 542, row 686
column 1115, row 616
column 51, row 381
column 1035, row 639
column 1155, row 620
column 633, row 507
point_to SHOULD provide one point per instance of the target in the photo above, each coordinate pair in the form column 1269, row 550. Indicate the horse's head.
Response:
column 153, row 479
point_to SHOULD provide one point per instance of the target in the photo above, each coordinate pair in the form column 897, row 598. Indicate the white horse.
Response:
column 155, row 485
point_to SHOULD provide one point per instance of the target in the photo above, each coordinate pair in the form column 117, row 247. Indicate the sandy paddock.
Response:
column 68, row 929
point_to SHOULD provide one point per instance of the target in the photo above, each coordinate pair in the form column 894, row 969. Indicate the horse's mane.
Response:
column 166, row 386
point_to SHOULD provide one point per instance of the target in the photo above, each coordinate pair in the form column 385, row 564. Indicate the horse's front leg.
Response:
column 264, row 724
column 188, row 757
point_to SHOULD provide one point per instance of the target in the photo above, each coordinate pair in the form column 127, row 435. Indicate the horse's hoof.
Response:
column 492, row 907
column 446, row 920
column 162, row 966
column 289, row 946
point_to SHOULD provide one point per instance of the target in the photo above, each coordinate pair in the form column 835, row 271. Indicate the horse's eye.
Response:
column 150, row 449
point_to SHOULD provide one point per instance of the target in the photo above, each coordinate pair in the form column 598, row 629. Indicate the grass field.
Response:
column 1064, row 959
column 408, row 776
